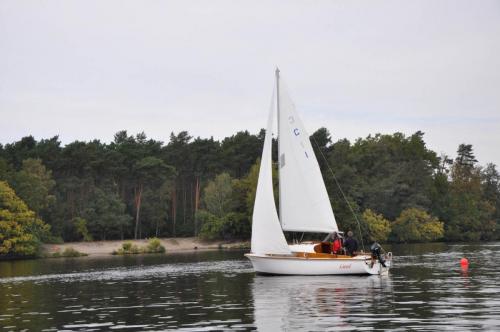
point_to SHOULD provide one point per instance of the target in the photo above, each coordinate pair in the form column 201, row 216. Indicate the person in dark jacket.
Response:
column 351, row 244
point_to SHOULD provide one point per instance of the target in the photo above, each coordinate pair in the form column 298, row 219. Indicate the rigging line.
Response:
column 341, row 191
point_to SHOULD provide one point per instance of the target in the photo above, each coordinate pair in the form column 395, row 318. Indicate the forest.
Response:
column 137, row 187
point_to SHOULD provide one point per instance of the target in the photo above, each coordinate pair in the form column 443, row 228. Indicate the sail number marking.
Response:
column 296, row 132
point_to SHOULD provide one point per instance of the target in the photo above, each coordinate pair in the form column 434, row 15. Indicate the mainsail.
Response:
column 304, row 202
column 267, row 236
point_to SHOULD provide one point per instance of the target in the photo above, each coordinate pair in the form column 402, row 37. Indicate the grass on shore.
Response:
column 237, row 245
column 68, row 252
column 154, row 246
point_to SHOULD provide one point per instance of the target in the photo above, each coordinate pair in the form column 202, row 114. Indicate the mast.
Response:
column 279, row 145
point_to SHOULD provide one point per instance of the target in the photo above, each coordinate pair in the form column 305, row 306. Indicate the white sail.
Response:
column 267, row 236
column 304, row 202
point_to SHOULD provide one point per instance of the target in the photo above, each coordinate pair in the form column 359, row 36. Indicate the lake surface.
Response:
column 216, row 290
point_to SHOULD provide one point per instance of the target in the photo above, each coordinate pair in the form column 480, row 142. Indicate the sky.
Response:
column 87, row 69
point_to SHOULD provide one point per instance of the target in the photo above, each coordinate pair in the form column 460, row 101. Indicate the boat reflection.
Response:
column 318, row 302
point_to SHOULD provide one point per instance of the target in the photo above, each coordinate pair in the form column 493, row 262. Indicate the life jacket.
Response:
column 336, row 246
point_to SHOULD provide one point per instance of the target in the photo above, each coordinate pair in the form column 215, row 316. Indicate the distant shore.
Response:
column 103, row 248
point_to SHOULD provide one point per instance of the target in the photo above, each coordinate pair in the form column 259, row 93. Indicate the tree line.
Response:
column 138, row 187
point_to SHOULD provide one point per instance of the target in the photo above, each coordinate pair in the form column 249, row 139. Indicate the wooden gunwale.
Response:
column 314, row 256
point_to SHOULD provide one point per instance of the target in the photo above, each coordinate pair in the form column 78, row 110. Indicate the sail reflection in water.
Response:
column 321, row 302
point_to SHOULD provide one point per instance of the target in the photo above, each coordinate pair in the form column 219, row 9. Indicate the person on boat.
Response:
column 350, row 244
column 336, row 244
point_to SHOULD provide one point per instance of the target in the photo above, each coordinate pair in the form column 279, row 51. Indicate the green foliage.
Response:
column 344, row 216
column 68, row 252
column 236, row 226
column 378, row 228
column 471, row 212
column 105, row 215
column 465, row 156
column 81, row 228
column 240, row 151
column 33, row 184
column 128, row 248
column 415, row 225
column 490, row 179
column 218, row 195
column 135, row 249
column 387, row 173
column 140, row 187
column 5, row 169
column 53, row 239
column 154, row 246
column 21, row 233
column 232, row 226
column 212, row 226
column 248, row 186
column 227, row 207
column 156, row 208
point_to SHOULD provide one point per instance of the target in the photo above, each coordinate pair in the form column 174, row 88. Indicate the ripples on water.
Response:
column 426, row 290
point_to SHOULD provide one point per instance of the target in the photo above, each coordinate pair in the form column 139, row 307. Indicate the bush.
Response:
column 236, row 226
column 71, row 252
column 415, row 225
column 135, row 249
column 154, row 246
column 21, row 232
column 211, row 226
column 128, row 248
column 232, row 226
column 379, row 228
column 68, row 252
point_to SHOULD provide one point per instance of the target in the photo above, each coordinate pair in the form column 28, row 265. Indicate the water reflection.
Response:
column 320, row 302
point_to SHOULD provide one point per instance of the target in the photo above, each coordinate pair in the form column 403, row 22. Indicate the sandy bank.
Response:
column 170, row 244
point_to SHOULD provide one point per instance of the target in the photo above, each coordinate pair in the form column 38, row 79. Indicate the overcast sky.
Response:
column 87, row 69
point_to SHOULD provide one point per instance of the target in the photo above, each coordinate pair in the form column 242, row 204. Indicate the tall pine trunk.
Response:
column 138, row 199
column 196, row 204
column 184, row 203
column 174, row 209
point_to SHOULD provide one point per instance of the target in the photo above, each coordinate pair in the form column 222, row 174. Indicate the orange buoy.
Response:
column 464, row 262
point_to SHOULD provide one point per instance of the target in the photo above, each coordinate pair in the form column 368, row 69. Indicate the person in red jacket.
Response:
column 336, row 244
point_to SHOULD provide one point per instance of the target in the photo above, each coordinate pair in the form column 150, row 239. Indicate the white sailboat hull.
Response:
column 294, row 265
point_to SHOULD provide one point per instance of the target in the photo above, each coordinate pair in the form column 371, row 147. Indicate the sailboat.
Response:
column 304, row 206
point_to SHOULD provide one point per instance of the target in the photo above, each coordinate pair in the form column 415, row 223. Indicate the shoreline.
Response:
column 105, row 248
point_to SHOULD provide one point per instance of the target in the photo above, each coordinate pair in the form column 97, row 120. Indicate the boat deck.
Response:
column 327, row 255
column 316, row 256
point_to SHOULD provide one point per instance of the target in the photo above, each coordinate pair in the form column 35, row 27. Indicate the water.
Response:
column 216, row 290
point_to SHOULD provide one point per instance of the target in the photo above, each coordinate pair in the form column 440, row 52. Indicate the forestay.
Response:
column 267, row 236
column 305, row 206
